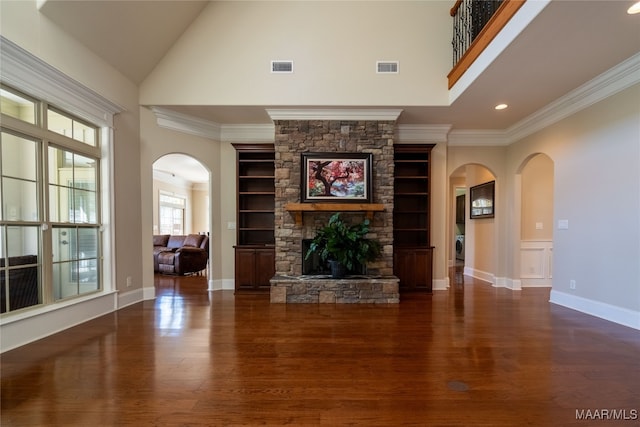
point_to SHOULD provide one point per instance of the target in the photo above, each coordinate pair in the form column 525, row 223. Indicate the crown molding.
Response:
column 616, row 79
column 334, row 114
column 477, row 138
column 187, row 124
column 249, row 133
column 612, row 81
column 28, row 73
column 423, row 133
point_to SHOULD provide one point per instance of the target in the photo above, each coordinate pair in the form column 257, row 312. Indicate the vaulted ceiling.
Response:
column 569, row 43
column 132, row 36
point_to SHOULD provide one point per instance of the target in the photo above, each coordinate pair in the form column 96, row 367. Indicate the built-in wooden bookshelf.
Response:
column 412, row 217
column 255, row 253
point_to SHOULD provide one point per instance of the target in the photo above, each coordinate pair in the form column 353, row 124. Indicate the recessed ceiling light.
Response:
column 501, row 106
column 635, row 8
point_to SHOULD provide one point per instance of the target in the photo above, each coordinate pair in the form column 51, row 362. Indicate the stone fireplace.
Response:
column 293, row 137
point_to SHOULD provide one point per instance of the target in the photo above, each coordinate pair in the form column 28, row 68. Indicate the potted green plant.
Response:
column 343, row 245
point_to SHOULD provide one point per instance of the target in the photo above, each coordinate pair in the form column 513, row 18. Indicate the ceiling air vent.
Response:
column 387, row 67
column 282, row 66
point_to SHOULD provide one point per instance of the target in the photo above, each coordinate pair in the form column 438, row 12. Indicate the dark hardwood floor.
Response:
column 471, row 356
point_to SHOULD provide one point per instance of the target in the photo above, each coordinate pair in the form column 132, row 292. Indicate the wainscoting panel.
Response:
column 536, row 263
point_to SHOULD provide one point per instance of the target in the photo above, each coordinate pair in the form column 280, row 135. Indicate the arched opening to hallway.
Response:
column 471, row 241
column 181, row 207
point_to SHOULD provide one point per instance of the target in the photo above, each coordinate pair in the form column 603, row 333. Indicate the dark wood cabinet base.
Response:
column 255, row 266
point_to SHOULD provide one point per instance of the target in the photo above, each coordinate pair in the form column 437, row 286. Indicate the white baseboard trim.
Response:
column 503, row 282
column 479, row 274
column 533, row 283
column 506, row 282
column 440, row 284
column 500, row 282
column 222, row 285
column 149, row 292
column 32, row 325
column 126, row 299
column 612, row 313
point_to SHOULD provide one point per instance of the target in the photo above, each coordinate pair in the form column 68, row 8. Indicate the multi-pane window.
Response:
column 172, row 210
column 73, row 212
column 17, row 106
column 20, row 260
column 66, row 125
column 50, row 240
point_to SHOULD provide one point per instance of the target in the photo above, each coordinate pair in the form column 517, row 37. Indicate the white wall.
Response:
column 200, row 212
column 224, row 57
column 480, row 239
column 537, row 199
column 155, row 143
column 596, row 154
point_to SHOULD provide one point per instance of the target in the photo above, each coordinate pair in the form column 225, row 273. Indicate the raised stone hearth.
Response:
column 296, row 221
column 294, row 137
column 325, row 290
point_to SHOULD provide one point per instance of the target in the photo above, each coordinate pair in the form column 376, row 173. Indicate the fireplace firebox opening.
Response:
column 315, row 267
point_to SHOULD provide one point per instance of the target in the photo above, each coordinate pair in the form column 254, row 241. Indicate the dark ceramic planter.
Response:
column 338, row 271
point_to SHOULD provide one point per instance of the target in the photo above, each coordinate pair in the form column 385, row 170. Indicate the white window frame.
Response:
column 29, row 74
column 163, row 204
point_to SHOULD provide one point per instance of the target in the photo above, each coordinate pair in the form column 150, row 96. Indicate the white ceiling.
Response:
column 144, row 31
column 568, row 44
column 181, row 166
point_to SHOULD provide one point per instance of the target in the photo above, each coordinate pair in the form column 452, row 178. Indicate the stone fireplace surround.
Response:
column 293, row 137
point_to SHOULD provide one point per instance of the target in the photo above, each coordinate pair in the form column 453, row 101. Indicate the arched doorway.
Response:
column 472, row 241
column 181, row 200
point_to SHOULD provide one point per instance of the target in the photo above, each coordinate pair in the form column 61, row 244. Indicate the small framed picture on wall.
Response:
column 482, row 200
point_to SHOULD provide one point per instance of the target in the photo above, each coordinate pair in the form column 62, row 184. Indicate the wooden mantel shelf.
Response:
column 298, row 208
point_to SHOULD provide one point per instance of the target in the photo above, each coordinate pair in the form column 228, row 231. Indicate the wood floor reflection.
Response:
column 474, row 355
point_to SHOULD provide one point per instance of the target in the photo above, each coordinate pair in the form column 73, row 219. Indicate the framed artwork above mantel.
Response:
column 336, row 178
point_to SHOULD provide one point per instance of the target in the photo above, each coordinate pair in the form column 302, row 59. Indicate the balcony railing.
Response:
column 475, row 24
